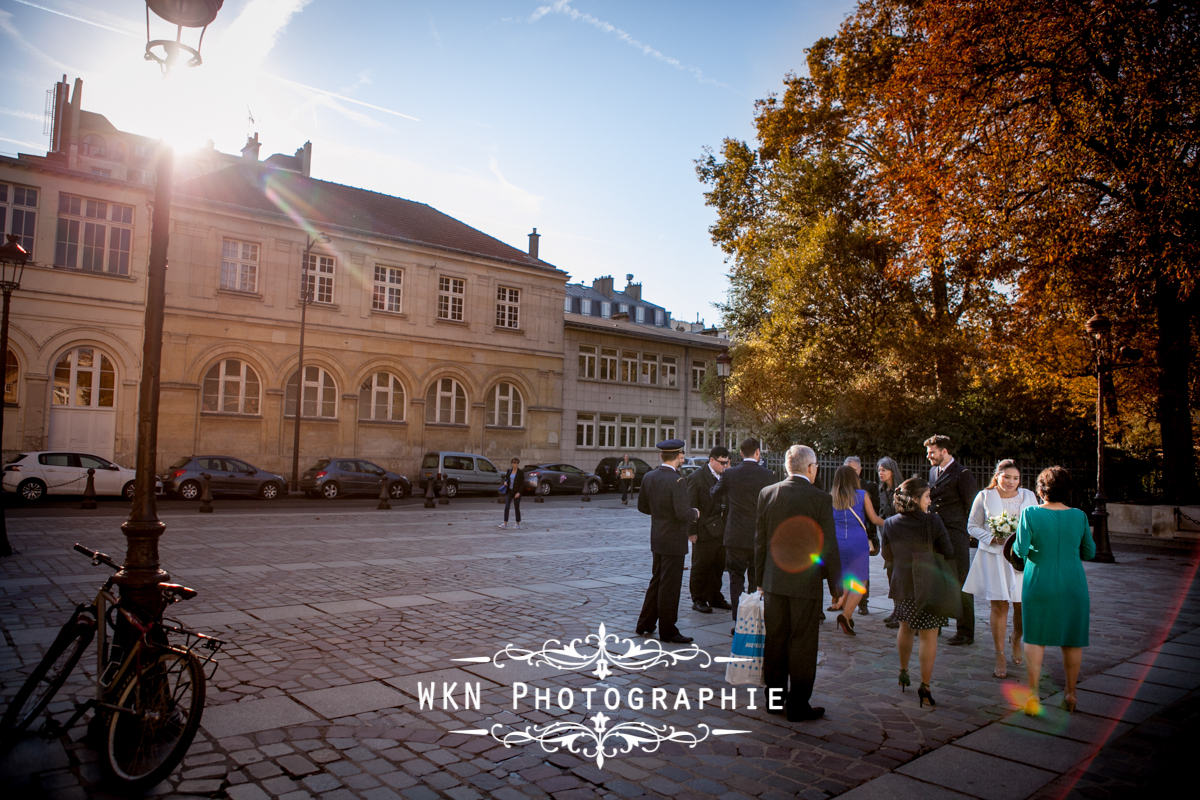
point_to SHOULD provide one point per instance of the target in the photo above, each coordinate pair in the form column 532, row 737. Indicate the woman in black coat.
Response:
column 911, row 531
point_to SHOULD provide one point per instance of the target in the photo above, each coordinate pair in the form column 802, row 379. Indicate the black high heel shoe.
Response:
column 846, row 625
column 923, row 695
column 904, row 681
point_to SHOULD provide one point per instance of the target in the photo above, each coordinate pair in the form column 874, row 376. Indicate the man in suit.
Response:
column 795, row 545
column 664, row 497
column 740, row 486
column 872, row 490
column 708, row 549
column 952, row 490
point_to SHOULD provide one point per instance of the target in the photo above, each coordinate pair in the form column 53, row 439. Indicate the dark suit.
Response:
column 739, row 486
column 792, row 589
column 951, row 495
column 708, row 551
column 664, row 497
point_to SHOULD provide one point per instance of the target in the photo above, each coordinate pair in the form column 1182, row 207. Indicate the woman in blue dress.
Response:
column 851, row 509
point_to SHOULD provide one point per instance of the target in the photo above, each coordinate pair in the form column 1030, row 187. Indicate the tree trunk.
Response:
column 1174, row 353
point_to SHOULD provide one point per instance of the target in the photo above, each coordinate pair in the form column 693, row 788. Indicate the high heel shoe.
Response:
column 1017, row 660
column 904, row 681
column 1033, row 707
column 923, row 695
column 846, row 625
column 1068, row 704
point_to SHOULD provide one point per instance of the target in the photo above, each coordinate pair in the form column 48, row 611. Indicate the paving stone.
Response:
column 901, row 787
column 977, row 774
column 247, row 791
column 254, row 715
column 1028, row 747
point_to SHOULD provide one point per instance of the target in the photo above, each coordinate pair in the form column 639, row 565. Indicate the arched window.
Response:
column 231, row 387
column 84, row 377
column 320, row 394
column 381, row 398
column 12, row 371
column 93, row 145
column 504, row 407
column 446, row 402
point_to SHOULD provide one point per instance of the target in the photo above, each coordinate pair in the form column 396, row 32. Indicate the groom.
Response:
column 952, row 490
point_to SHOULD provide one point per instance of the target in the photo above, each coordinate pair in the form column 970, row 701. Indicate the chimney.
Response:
column 632, row 289
column 620, row 316
column 250, row 151
column 62, row 91
column 604, row 286
column 72, row 143
column 533, row 243
column 304, row 156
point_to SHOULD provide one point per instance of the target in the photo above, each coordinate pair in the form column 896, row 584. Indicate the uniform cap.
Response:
column 670, row 444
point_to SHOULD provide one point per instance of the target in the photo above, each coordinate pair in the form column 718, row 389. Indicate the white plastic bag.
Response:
column 748, row 638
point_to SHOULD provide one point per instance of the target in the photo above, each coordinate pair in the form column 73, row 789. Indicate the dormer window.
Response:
column 585, row 307
column 641, row 314
column 606, row 310
column 658, row 317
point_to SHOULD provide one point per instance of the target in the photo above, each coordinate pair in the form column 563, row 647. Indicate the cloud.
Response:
column 124, row 31
column 39, row 147
column 315, row 90
column 11, row 112
column 7, row 26
column 252, row 34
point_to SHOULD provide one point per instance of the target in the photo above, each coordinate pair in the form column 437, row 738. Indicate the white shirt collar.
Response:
column 668, row 466
column 751, row 460
column 801, row 477
column 713, row 471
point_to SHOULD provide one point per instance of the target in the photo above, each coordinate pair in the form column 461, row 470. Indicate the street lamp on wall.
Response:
column 182, row 14
column 12, row 268
column 724, row 362
column 306, row 295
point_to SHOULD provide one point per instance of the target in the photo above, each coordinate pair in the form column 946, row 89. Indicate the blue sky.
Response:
column 582, row 118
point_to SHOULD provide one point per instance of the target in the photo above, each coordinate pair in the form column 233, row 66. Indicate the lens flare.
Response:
column 796, row 544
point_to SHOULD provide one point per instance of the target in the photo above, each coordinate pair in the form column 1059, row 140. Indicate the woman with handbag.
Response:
column 850, row 506
column 513, row 480
column 915, row 540
column 993, row 519
column 1054, row 540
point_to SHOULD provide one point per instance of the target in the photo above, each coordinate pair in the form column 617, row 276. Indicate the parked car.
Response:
column 34, row 475
column 335, row 477
column 464, row 472
column 547, row 478
column 227, row 475
column 695, row 461
column 688, row 469
column 606, row 471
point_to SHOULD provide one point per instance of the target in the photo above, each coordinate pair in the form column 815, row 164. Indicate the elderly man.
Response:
column 708, row 552
column 664, row 497
column 795, row 545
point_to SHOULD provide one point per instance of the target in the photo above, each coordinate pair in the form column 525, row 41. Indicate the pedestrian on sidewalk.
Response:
column 914, row 530
column 708, row 550
column 953, row 489
column 514, row 481
column 851, row 510
column 991, row 576
column 1054, row 540
column 889, row 479
column 625, row 474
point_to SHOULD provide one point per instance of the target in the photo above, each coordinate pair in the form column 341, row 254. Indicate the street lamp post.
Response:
column 306, row 293
column 12, row 267
column 723, row 364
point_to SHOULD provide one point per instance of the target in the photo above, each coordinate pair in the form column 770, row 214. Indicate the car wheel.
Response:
column 451, row 489
column 330, row 490
column 593, row 487
column 269, row 491
column 127, row 491
column 396, row 490
column 32, row 490
column 543, row 489
column 189, row 490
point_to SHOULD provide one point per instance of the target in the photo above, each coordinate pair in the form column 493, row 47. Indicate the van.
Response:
column 464, row 472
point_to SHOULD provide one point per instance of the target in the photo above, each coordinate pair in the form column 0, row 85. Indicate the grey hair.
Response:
column 798, row 459
column 852, row 460
column 889, row 463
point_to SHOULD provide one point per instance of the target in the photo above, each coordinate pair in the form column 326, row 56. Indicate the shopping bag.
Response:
column 748, row 638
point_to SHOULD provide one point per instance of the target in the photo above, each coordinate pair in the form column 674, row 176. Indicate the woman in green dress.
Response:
column 1054, row 539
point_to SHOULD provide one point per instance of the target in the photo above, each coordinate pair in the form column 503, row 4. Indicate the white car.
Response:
column 35, row 475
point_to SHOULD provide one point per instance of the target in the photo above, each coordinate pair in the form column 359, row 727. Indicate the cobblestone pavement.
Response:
column 334, row 617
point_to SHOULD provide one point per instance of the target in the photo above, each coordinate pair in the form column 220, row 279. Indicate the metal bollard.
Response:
column 89, row 491
column 429, row 501
column 206, row 495
column 537, row 494
column 584, row 497
column 384, row 505
column 444, row 499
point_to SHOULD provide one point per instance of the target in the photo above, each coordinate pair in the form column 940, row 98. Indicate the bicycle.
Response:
column 149, row 693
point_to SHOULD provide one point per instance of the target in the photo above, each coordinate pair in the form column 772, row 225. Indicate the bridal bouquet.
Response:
column 1003, row 525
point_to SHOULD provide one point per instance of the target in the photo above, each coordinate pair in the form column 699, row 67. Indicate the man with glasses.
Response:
column 708, row 549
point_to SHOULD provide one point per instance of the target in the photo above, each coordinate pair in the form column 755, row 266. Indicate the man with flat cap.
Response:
column 664, row 497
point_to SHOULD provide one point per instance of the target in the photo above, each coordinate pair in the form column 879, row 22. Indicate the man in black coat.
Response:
column 708, row 549
column 664, row 497
column 952, row 490
column 795, row 545
column 739, row 486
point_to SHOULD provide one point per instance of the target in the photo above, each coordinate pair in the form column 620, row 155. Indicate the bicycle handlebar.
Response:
column 96, row 556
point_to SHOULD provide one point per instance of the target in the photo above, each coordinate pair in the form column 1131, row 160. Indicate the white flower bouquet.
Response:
column 1003, row 525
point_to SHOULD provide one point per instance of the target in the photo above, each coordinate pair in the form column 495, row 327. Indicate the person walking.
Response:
column 872, row 490
column 914, row 530
column 664, row 497
column 625, row 474
column 991, row 576
column 1054, row 540
column 953, row 489
column 513, row 482
column 851, row 509
column 794, row 547
column 889, row 479
column 708, row 549
column 740, row 486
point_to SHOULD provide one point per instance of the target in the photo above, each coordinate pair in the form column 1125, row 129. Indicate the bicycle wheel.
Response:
column 47, row 678
column 160, row 712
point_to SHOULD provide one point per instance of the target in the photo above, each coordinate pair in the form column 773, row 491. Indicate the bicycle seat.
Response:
column 177, row 591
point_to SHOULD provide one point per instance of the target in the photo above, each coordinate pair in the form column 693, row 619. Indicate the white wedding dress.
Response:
column 991, row 577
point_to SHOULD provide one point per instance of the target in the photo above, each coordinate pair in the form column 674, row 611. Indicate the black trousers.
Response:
column 739, row 561
column 661, row 606
column 790, row 649
column 626, row 488
column 708, row 564
column 511, row 499
column 962, row 561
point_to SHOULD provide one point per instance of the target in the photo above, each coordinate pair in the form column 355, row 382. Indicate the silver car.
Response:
column 227, row 475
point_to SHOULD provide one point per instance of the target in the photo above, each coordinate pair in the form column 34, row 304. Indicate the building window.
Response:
column 93, row 235
column 12, row 373
column 18, row 213
column 624, row 308
column 640, row 314
column 231, row 387
column 143, row 150
column 84, row 377
column 446, row 403
column 668, row 372
column 103, row 173
column 628, row 431
column 381, row 398
column 508, row 307
column 320, row 395
column 585, row 307
column 606, row 431
column 699, row 370
column 388, row 294
column 608, row 363
column 585, row 430
column 698, row 436
column 239, row 266
column 93, row 145
column 587, row 361
column 450, row 298
column 650, row 369
column 629, row 367
column 648, row 433
column 606, row 309
column 137, row 175
column 318, row 279
column 567, row 304
column 666, row 428
column 658, row 317
column 504, row 407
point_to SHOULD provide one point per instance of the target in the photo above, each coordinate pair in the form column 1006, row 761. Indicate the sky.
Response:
column 582, row 118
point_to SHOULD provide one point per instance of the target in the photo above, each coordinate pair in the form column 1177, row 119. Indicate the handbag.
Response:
column 935, row 582
column 748, row 639
column 1011, row 556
